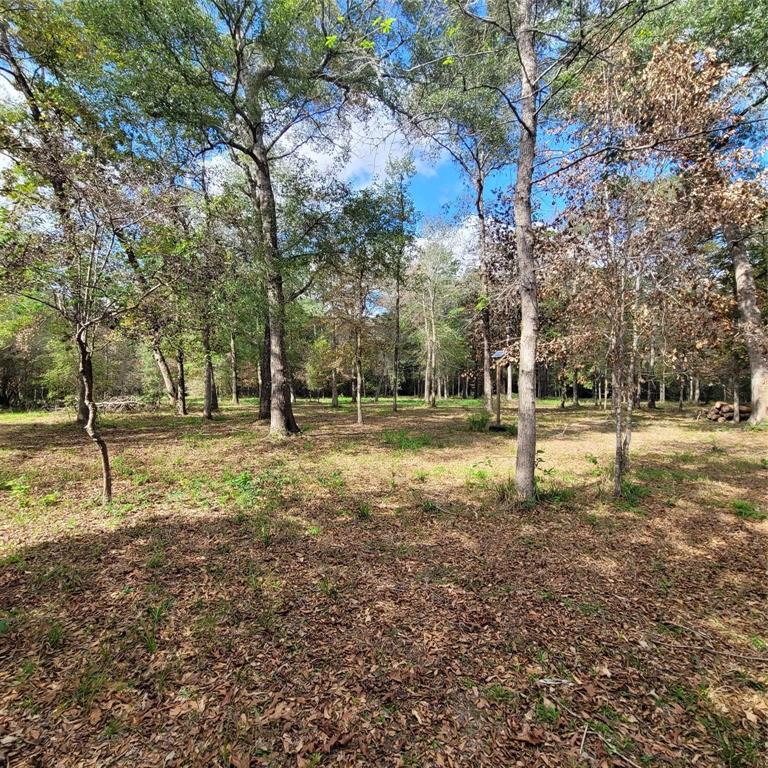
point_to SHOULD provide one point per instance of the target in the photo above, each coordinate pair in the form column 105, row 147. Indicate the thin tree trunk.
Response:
column 485, row 311
column 509, row 382
column 752, row 326
column 575, row 398
column 358, row 379
column 396, row 357
column 181, row 402
column 359, row 352
column 736, row 404
column 617, row 394
column 334, row 389
column 524, row 240
column 208, row 374
column 433, row 376
column 91, row 424
column 233, row 368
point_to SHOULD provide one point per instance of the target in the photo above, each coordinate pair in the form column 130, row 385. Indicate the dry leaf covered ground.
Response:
column 370, row 596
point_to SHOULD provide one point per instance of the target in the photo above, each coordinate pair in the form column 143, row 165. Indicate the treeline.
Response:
column 166, row 229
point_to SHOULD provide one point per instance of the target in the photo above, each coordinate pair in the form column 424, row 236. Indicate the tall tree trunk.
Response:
column 575, row 397
column 396, row 357
column 181, row 402
column 265, row 380
column 736, row 403
column 753, row 327
column 617, row 397
column 485, row 311
column 359, row 351
column 358, row 378
column 433, row 339
column 281, row 419
column 208, row 375
column 91, row 425
column 524, row 241
column 509, row 382
column 233, row 368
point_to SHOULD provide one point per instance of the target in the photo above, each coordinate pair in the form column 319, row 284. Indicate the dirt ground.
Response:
column 371, row 596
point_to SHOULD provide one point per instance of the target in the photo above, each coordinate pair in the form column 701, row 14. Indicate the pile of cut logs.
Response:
column 123, row 405
column 721, row 412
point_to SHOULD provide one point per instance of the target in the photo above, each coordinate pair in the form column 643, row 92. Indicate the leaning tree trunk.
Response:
column 524, row 241
column 165, row 372
column 752, row 327
column 91, row 424
column 181, row 402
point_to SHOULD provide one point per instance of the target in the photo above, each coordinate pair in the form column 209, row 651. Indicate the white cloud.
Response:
column 460, row 239
column 361, row 154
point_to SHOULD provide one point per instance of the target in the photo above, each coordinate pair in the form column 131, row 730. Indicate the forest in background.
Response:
column 163, row 228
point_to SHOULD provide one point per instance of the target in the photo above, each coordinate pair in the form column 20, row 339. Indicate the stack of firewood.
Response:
column 721, row 412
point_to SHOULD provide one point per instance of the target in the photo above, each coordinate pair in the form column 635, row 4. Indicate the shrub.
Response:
column 478, row 422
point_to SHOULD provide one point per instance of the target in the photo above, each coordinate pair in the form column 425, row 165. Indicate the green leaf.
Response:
column 331, row 40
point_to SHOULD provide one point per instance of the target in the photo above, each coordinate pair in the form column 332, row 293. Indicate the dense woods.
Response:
column 182, row 241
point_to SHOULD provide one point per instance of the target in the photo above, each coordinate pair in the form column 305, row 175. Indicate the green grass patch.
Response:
column 402, row 440
column 746, row 510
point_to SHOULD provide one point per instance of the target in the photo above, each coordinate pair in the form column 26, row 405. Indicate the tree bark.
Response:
column 524, row 240
column 359, row 350
column 265, row 381
column 485, row 311
column 233, row 368
column 181, row 402
column 281, row 419
column 82, row 407
column 396, row 357
column 165, row 372
column 91, row 424
column 208, row 374
column 753, row 327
